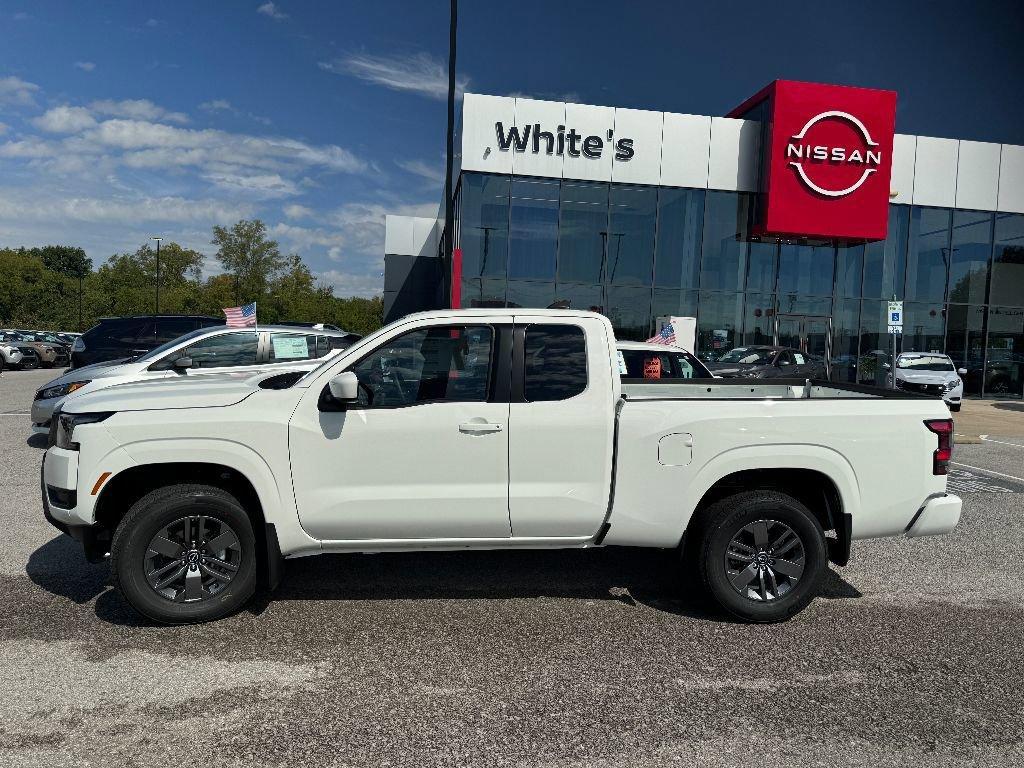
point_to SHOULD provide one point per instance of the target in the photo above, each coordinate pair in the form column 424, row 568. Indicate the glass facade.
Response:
column 636, row 253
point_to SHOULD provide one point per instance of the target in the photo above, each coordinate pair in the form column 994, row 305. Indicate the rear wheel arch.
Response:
column 813, row 488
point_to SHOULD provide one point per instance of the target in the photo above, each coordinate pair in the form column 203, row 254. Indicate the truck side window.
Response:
column 556, row 362
column 439, row 363
column 223, row 351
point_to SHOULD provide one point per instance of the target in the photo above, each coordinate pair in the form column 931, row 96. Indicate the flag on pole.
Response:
column 666, row 336
column 241, row 317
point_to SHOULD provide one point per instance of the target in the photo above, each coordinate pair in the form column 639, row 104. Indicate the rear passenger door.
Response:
column 561, row 427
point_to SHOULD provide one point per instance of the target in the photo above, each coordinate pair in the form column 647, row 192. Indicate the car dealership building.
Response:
column 792, row 221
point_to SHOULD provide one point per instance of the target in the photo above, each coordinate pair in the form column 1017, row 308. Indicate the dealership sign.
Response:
column 531, row 138
column 826, row 159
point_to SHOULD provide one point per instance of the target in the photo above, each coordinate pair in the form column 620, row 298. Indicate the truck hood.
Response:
column 163, row 394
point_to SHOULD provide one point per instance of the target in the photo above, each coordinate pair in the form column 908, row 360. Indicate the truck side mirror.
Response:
column 344, row 387
column 183, row 363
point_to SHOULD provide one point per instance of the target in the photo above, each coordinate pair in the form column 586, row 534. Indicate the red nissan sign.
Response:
column 828, row 159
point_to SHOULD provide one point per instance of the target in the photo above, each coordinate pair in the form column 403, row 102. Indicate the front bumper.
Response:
column 42, row 412
column 95, row 545
column 939, row 515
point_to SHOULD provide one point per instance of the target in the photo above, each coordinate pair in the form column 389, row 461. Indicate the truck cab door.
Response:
column 423, row 454
column 562, row 424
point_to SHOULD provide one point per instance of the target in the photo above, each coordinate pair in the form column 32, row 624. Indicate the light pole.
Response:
column 158, row 239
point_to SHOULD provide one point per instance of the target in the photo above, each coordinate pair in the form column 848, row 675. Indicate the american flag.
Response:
column 666, row 336
column 241, row 317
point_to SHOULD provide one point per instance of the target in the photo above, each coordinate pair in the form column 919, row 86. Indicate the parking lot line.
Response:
column 989, row 471
column 988, row 439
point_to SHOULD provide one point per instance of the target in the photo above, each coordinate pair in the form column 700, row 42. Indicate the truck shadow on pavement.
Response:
column 626, row 575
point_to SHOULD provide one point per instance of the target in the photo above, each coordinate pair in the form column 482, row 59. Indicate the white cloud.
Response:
column 417, row 73
column 347, row 284
column 271, row 10
column 264, row 185
column 28, row 149
column 120, row 209
column 431, row 173
column 296, row 211
column 303, row 238
column 217, row 105
column 85, row 66
column 3, row 128
column 14, row 90
column 65, row 119
column 153, row 23
column 136, row 109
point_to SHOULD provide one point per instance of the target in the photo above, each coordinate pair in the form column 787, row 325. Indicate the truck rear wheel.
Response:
column 761, row 556
column 185, row 554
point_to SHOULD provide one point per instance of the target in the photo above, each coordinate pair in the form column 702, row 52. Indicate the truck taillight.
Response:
column 943, row 428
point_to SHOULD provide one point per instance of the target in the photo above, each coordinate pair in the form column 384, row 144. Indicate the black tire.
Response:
column 955, row 408
column 728, row 521
column 152, row 514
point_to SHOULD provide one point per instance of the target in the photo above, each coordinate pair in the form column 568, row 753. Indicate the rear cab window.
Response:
column 555, row 362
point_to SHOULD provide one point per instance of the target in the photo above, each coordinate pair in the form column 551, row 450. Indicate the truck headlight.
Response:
column 61, row 390
column 66, row 423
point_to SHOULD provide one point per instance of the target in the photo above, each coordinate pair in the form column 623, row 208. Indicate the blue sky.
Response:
column 121, row 120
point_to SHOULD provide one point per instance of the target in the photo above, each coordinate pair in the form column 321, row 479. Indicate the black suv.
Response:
column 116, row 338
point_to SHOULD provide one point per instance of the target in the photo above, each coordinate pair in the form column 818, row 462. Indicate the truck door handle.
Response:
column 479, row 427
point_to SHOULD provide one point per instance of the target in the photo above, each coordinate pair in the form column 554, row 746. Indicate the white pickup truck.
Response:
column 489, row 428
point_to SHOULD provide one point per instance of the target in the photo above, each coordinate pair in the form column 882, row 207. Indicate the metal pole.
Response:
column 449, row 208
column 81, row 279
column 158, row 239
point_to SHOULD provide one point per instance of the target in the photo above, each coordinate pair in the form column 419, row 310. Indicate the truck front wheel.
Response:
column 762, row 555
column 185, row 554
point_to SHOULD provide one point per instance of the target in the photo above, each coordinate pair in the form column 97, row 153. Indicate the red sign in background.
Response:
column 828, row 165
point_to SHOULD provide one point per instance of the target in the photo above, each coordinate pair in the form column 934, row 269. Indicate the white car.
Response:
column 206, row 351
column 930, row 373
column 489, row 429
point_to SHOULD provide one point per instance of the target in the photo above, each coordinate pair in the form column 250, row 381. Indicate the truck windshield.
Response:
column 925, row 363
column 747, row 356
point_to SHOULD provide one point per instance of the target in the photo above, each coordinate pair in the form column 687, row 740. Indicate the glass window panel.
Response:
column 528, row 294
column 483, row 292
column 630, row 243
column 680, row 220
column 719, row 322
column 965, row 343
column 724, row 245
column 928, row 255
column 556, row 362
column 875, row 344
column 582, row 227
column 226, row 349
column 483, row 224
column 1004, row 371
column 793, row 304
column 448, row 363
column 761, row 260
column 885, row 260
column 589, row 297
column 806, row 269
column 923, row 327
column 759, row 315
column 533, row 231
column 629, row 309
column 1008, row 261
column 969, row 257
column 845, row 340
column 673, row 303
column 849, row 270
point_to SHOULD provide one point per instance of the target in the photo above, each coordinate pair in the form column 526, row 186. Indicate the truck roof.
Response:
column 509, row 312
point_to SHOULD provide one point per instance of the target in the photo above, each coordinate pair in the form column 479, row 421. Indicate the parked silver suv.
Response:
column 206, row 351
column 17, row 352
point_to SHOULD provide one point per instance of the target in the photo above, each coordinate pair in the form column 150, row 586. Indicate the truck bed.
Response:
column 754, row 389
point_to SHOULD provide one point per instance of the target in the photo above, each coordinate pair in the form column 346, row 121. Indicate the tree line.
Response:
column 50, row 286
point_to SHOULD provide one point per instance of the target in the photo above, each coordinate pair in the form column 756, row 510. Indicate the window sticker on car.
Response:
column 622, row 362
column 290, row 348
column 799, row 358
column 652, row 368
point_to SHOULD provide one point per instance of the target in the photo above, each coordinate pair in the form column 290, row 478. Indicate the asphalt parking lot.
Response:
column 914, row 656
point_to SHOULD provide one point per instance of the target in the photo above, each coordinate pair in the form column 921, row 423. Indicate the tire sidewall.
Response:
column 770, row 507
column 130, row 558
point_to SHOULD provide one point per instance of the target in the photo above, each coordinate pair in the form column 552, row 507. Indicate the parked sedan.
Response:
column 930, row 373
column 204, row 351
column 763, row 362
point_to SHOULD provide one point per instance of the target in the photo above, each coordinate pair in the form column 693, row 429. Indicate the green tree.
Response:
column 249, row 257
column 68, row 260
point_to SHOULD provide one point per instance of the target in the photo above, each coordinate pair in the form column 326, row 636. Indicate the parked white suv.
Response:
column 212, row 350
column 930, row 373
